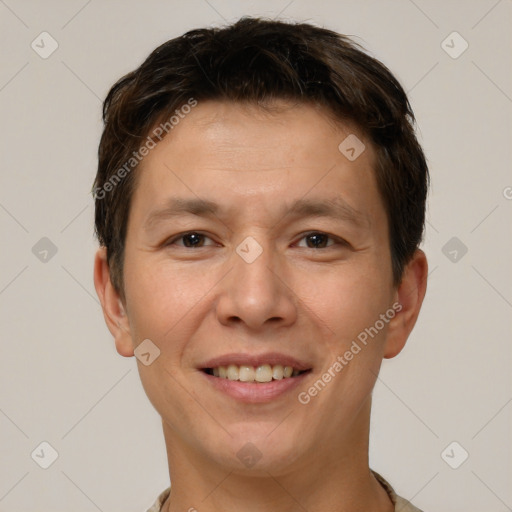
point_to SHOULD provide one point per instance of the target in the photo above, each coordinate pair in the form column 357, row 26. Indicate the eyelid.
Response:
column 337, row 240
column 180, row 236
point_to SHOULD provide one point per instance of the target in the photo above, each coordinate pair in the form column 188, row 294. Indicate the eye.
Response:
column 318, row 240
column 314, row 240
column 191, row 239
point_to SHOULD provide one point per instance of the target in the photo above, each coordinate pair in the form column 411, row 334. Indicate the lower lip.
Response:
column 253, row 392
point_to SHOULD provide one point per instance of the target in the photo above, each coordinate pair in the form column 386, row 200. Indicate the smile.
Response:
column 247, row 373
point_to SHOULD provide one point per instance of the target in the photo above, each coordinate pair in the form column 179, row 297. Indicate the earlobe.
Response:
column 410, row 294
column 112, row 306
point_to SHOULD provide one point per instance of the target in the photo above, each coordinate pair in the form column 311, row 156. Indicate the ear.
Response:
column 409, row 294
column 113, row 309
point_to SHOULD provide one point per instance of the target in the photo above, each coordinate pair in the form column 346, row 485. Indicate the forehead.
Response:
column 255, row 158
column 299, row 130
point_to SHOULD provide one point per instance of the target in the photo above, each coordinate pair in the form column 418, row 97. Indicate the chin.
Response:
column 258, row 451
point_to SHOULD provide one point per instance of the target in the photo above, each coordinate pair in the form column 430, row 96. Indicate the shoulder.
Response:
column 157, row 505
column 401, row 504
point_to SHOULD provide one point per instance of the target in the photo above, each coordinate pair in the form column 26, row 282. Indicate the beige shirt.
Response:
column 401, row 505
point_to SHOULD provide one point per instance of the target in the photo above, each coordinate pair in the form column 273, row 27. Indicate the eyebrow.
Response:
column 336, row 208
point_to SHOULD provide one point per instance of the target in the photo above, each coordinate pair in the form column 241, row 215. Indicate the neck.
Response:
column 331, row 477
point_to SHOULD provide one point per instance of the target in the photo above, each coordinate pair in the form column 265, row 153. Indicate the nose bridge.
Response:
column 254, row 292
column 252, row 267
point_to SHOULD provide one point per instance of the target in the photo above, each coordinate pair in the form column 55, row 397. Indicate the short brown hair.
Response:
column 257, row 61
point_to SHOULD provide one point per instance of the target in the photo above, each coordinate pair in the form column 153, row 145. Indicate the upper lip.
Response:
column 271, row 358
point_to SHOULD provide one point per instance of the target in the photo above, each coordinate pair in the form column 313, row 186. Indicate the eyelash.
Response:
column 336, row 239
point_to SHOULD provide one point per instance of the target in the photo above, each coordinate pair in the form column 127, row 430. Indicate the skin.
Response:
column 309, row 301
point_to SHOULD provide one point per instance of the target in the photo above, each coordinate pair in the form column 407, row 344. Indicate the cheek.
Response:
column 347, row 300
column 351, row 306
column 161, row 294
column 163, row 303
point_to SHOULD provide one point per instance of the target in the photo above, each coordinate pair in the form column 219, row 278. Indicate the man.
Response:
column 260, row 201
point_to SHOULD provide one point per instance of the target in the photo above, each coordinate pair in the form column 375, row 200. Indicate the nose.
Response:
column 256, row 293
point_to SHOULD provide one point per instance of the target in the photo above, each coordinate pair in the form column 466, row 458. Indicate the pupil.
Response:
column 318, row 239
column 194, row 237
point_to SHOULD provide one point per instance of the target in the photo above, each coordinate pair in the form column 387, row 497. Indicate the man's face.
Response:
column 255, row 279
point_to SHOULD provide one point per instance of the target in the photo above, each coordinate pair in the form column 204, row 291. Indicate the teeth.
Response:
column 277, row 372
column 233, row 372
column 246, row 374
column 262, row 373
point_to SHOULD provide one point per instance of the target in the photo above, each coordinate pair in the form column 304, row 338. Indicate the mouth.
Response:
column 255, row 378
column 260, row 384
column 260, row 374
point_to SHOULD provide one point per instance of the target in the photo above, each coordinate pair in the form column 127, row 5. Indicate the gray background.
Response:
column 61, row 380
